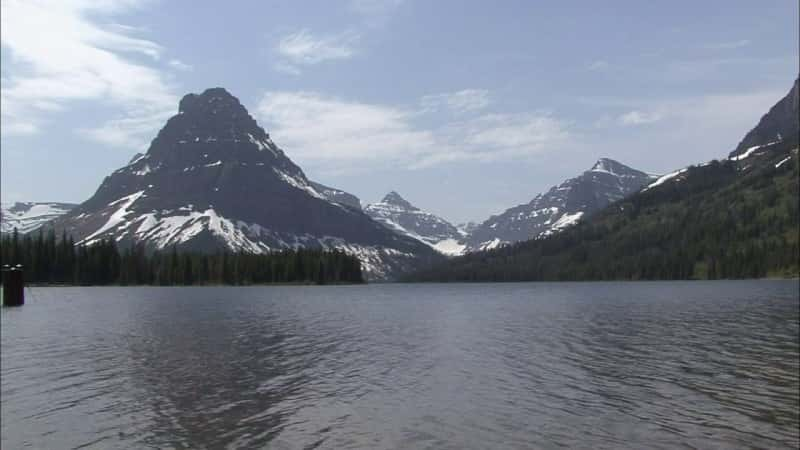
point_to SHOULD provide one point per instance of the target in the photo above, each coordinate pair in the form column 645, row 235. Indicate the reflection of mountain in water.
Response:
column 230, row 383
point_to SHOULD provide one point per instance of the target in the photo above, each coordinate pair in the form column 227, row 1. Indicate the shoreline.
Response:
column 54, row 285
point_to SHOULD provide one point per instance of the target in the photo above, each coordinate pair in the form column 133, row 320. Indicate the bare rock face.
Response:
column 213, row 179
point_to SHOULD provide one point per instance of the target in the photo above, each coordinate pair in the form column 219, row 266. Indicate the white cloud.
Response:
column 515, row 133
column 302, row 48
column 133, row 132
column 460, row 102
column 59, row 53
column 338, row 134
column 599, row 65
column 638, row 118
column 321, row 128
column 180, row 65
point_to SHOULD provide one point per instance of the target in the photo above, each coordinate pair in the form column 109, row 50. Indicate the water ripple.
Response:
column 583, row 365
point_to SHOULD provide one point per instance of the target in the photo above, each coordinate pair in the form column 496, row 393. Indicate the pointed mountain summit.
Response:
column 393, row 198
column 612, row 167
column 400, row 216
column 605, row 182
column 213, row 179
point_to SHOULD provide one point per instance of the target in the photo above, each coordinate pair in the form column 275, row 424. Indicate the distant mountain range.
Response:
column 29, row 216
column 735, row 218
column 555, row 210
column 213, row 179
column 561, row 206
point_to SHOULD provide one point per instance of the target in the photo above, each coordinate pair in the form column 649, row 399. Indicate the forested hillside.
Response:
column 736, row 218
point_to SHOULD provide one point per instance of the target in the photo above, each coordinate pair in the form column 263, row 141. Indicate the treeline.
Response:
column 47, row 259
column 724, row 220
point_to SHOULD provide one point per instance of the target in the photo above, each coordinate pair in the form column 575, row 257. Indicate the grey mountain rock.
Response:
column 337, row 195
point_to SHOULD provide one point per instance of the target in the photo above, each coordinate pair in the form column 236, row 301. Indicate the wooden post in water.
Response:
column 13, row 286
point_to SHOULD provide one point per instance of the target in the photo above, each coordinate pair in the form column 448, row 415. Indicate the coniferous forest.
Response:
column 722, row 221
column 48, row 259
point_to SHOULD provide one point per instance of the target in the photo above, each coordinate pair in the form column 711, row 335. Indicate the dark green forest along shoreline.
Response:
column 50, row 260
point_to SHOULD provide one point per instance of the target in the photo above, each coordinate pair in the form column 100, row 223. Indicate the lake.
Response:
column 439, row 366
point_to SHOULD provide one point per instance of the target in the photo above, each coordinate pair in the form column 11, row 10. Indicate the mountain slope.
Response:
column 213, row 179
column 736, row 218
column 337, row 195
column 397, row 214
column 780, row 123
column 560, row 207
column 29, row 216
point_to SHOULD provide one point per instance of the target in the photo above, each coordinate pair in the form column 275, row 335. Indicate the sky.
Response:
column 466, row 108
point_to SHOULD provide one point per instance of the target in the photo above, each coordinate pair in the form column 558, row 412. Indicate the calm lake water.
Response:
column 539, row 365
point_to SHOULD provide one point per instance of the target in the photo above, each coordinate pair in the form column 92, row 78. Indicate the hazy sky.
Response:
column 464, row 107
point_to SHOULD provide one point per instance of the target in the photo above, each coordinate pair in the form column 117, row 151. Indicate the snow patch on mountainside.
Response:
column 494, row 243
column 299, row 184
column 450, row 247
column 784, row 160
column 566, row 220
column 116, row 218
column 751, row 150
column 29, row 216
column 661, row 180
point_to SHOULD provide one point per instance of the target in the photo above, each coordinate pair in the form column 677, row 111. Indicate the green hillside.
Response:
column 725, row 219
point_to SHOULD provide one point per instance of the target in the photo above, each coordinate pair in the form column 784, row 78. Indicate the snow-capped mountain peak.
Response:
column 609, row 166
column 395, row 199
column 400, row 216
column 560, row 207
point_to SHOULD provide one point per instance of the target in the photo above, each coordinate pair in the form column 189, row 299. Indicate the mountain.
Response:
column 780, row 123
column 29, row 216
column 467, row 227
column 336, row 195
column 397, row 214
column 560, row 207
column 213, row 179
column 735, row 218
